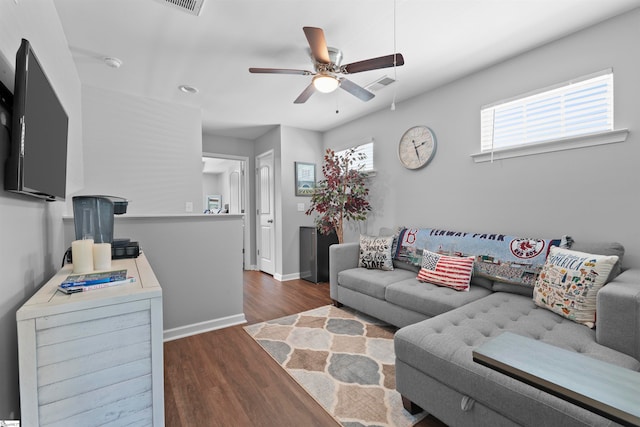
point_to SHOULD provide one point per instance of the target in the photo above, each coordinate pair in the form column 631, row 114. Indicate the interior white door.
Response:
column 266, row 243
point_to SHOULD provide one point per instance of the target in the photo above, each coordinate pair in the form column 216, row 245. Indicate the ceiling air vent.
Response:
column 380, row 83
column 193, row 7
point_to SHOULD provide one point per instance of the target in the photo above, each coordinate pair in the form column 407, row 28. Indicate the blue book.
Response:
column 94, row 278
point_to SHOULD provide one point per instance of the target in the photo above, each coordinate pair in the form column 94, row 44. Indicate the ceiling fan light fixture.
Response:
column 325, row 83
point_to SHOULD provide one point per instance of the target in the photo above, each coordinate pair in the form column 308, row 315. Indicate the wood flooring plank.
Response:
column 224, row 378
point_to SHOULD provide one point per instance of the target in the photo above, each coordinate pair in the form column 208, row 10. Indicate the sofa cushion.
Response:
column 406, row 266
column 429, row 299
column 451, row 271
column 512, row 288
column 441, row 348
column 612, row 248
column 371, row 282
column 375, row 252
column 569, row 282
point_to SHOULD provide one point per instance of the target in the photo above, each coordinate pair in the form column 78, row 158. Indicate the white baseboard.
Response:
column 286, row 277
column 198, row 328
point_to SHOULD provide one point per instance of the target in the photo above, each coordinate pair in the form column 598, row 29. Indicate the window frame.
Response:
column 490, row 153
column 363, row 142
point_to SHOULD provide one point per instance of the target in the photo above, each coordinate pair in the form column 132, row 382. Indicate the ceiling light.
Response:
column 112, row 62
column 188, row 89
column 325, row 83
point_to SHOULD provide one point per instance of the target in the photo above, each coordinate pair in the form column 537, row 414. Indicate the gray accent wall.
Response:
column 589, row 193
column 31, row 229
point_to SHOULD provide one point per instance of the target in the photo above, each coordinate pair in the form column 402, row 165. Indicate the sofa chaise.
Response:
column 440, row 327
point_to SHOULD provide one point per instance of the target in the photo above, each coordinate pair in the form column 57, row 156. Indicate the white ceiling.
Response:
column 163, row 47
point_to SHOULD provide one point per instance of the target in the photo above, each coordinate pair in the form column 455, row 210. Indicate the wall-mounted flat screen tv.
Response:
column 37, row 163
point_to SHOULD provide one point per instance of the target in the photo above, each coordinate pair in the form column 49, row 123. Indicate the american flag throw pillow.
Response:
column 450, row 271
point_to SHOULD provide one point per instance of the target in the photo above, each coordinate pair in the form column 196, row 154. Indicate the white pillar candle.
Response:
column 82, row 254
column 102, row 256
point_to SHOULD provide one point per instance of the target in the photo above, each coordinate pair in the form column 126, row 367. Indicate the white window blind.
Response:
column 367, row 150
column 579, row 107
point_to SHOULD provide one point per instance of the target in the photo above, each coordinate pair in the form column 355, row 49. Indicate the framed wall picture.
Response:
column 305, row 178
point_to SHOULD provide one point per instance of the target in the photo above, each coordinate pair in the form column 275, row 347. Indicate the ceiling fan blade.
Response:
column 306, row 94
column 317, row 43
column 373, row 64
column 279, row 71
column 356, row 90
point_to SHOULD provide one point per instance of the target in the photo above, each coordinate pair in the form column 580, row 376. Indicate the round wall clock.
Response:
column 417, row 147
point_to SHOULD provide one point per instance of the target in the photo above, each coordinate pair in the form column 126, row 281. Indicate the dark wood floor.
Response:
column 223, row 378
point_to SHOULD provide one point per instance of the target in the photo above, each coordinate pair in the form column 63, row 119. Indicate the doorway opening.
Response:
column 225, row 190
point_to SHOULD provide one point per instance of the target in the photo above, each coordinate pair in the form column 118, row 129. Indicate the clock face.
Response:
column 417, row 147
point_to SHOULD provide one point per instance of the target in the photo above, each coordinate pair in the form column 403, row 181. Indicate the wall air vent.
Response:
column 379, row 84
column 193, row 7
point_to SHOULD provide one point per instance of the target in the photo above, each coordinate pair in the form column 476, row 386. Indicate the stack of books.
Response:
column 88, row 282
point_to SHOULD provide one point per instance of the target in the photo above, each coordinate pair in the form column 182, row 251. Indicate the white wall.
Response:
column 144, row 150
column 588, row 193
column 30, row 229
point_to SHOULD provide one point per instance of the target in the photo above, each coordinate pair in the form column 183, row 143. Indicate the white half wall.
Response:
column 198, row 262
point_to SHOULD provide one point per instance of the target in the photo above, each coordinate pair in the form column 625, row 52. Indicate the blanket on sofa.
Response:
column 499, row 257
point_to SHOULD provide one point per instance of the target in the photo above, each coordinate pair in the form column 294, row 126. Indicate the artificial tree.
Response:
column 342, row 194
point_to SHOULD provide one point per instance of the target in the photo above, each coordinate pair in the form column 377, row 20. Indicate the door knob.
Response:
column 270, row 221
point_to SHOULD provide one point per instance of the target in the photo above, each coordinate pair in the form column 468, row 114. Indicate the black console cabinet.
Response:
column 314, row 254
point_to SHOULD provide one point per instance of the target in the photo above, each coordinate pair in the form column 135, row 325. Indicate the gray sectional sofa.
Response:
column 440, row 327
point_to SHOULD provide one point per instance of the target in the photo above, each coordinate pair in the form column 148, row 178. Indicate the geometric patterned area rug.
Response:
column 343, row 359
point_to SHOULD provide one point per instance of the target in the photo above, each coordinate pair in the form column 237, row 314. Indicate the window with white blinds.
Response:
column 367, row 150
column 580, row 107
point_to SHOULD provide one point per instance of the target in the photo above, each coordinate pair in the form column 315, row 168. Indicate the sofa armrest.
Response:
column 342, row 256
column 618, row 314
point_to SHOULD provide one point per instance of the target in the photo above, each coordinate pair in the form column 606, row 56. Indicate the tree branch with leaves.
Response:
column 342, row 195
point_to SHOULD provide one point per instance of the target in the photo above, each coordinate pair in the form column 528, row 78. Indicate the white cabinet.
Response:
column 93, row 358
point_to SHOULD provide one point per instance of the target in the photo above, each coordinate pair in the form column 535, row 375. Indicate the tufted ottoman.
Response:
column 434, row 366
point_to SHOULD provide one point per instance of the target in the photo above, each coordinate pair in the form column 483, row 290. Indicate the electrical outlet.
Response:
column 188, row 206
column 300, row 207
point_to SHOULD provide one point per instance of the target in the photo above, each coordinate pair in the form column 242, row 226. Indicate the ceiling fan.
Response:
column 327, row 66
